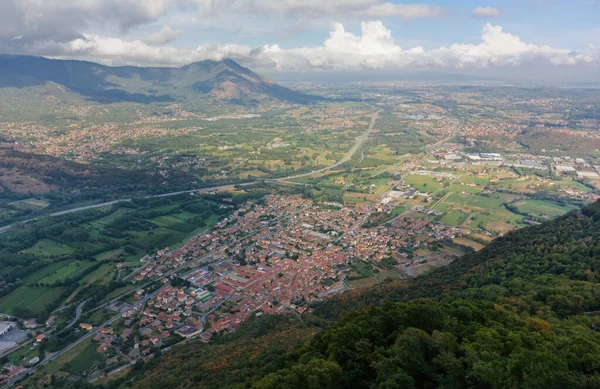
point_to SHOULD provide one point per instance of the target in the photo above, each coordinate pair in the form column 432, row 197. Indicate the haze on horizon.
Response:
column 311, row 40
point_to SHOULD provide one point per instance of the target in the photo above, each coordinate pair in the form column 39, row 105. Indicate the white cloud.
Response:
column 320, row 8
column 66, row 19
column 165, row 35
column 486, row 12
column 406, row 11
column 374, row 48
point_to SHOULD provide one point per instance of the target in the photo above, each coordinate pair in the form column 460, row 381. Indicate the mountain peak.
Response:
column 210, row 80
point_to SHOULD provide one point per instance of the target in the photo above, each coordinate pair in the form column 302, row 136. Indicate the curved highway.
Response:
column 359, row 141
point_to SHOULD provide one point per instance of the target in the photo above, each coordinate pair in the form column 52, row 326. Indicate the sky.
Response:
column 314, row 37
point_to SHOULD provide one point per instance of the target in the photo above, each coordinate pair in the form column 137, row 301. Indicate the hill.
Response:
column 208, row 80
column 511, row 315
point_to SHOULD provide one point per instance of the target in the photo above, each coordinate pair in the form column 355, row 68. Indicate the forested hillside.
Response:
column 510, row 316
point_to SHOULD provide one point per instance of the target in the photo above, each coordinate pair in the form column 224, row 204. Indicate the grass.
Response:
column 23, row 355
column 542, row 208
column 391, row 274
column 363, row 282
column 108, row 255
column 37, row 203
column 97, row 317
column 465, row 189
column 102, row 274
column 361, row 269
column 29, row 299
column 46, row 247
column 358, row 199
column 173, row 227
column 76, row 360
column 398, row 210
column 442, row 207
column 58, row 271
column 473, row 179
column 468, row 242
column 424, row 184
column 453, row 218
column 477, row 202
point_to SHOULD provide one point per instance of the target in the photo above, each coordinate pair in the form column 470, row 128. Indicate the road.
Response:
column 108, row 203
column 53, row 356
column 359, row 141
column 78, row 311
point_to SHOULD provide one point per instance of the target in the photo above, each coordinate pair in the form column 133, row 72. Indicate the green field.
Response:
column 453, row 218
column 464, row 188
column 108, row 255
column 46, row 247
column 23, row 355
column 360, row 270
column 473, row 179
column 122, row 233
column 102, row 274
column 84, row 360
column 542, row 208
column 475, row 201
column 58, row 271
column 425, row 184
column 76, row 360
column 29, row 300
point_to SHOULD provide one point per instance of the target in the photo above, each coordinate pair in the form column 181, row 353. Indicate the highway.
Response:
column 78, row 312
column 357, row 144
column 359, row 141
column 108, row 203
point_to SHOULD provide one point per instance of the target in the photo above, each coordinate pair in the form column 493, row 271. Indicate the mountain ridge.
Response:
column 224, row 80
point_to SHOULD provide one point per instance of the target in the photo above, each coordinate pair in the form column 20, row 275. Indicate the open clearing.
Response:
column 46, row 247
column 29, row 299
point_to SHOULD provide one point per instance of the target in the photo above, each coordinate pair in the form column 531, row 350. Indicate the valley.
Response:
column 146, row 211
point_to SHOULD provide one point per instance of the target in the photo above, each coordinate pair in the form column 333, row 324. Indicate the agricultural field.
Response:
column 30, row 301
column 542, row 209
column 58, row 271
column 363, row 282
column 454, row 218
column 76, row 360
column 105, row 237
column 48, row 248
column 468, row 242
column 424, row 184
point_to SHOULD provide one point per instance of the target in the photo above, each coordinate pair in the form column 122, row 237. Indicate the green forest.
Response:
column 515, row 315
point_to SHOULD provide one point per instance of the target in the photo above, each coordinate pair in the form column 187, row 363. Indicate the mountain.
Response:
column 509, row 316
column 208, row 80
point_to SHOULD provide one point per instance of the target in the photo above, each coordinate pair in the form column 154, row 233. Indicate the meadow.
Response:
column 30, row 300
column 82, row 249
column 542, row 209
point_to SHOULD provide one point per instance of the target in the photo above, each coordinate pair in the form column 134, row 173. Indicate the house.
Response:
column 126, row 333
column 33, row 361
column 30, row 324
column 40, row 337
column 188, row 331
column 51, row 320
column 86, row 326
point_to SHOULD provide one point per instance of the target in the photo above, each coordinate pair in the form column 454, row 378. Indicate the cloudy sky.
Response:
column 311, row 36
